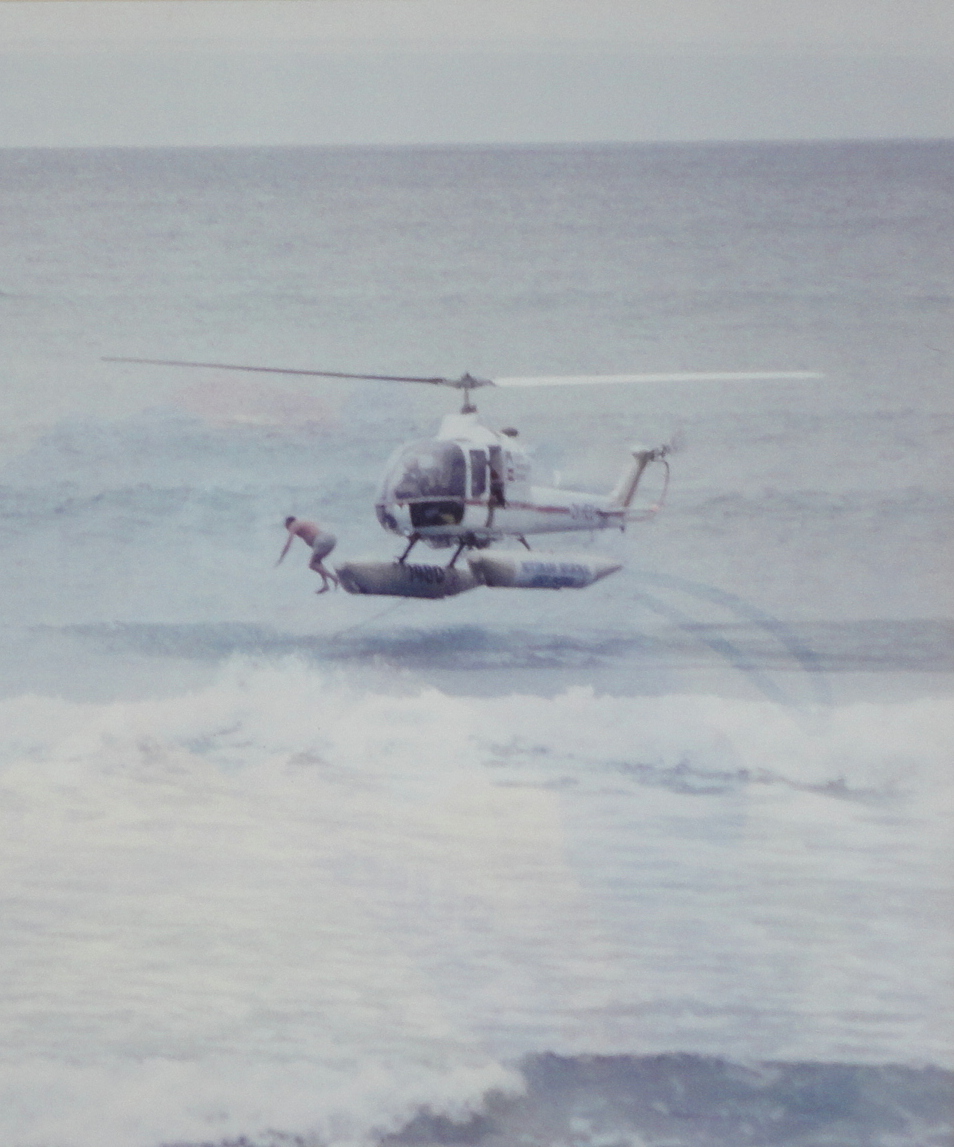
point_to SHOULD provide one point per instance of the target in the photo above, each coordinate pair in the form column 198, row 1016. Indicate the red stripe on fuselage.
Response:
column 558, row 509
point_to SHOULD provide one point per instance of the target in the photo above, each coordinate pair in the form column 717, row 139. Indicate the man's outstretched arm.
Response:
column 291, row 538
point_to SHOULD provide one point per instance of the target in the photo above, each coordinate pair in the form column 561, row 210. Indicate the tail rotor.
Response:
column 644, row 457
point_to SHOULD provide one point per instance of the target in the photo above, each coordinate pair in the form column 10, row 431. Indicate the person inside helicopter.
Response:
column 430, row 477
column 430, row 470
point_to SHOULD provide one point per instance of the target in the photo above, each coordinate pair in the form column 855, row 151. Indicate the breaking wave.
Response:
column 286, row 909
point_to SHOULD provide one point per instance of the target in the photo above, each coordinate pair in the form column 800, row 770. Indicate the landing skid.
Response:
column 468, row 543
column 415, row 538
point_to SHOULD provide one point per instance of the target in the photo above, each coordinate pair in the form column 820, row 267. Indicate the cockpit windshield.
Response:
column 428, row 469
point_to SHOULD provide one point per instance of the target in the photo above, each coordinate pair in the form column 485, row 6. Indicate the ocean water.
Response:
column 665, row 861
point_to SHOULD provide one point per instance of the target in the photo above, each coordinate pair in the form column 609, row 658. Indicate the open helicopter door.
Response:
column 498, row 496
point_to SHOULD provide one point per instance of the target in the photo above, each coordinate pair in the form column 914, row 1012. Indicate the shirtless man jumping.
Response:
column 321, row 542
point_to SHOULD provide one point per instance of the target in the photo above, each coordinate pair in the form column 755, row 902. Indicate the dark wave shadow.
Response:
column 860, row 646
column 454, row 647
column 699, row 1101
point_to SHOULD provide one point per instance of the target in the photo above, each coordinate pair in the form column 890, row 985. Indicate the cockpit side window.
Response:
column 478, row 473
column 430, row 470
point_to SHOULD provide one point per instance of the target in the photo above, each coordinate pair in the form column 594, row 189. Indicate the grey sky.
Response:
column 128, row 72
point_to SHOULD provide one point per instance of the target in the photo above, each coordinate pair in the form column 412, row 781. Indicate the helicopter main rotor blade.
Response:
column 468, row 381
column 705, row 376
column 287, row 370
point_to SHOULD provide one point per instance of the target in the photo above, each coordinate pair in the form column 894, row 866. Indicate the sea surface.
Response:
column 666, row 862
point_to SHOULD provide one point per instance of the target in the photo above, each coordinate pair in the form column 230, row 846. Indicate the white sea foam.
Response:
column 143, row 1103
column 281, row 902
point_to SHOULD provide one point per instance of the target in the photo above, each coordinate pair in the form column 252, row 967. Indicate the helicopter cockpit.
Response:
column 430, row 478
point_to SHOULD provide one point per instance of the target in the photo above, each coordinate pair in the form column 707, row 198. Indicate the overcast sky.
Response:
column 168, row 72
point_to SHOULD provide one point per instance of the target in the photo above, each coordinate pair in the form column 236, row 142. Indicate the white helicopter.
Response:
column 469, row 487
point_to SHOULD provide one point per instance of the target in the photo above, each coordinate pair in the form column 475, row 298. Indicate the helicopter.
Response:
column 469, row 487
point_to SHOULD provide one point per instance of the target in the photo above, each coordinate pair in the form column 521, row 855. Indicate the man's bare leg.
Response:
column 326, row 576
